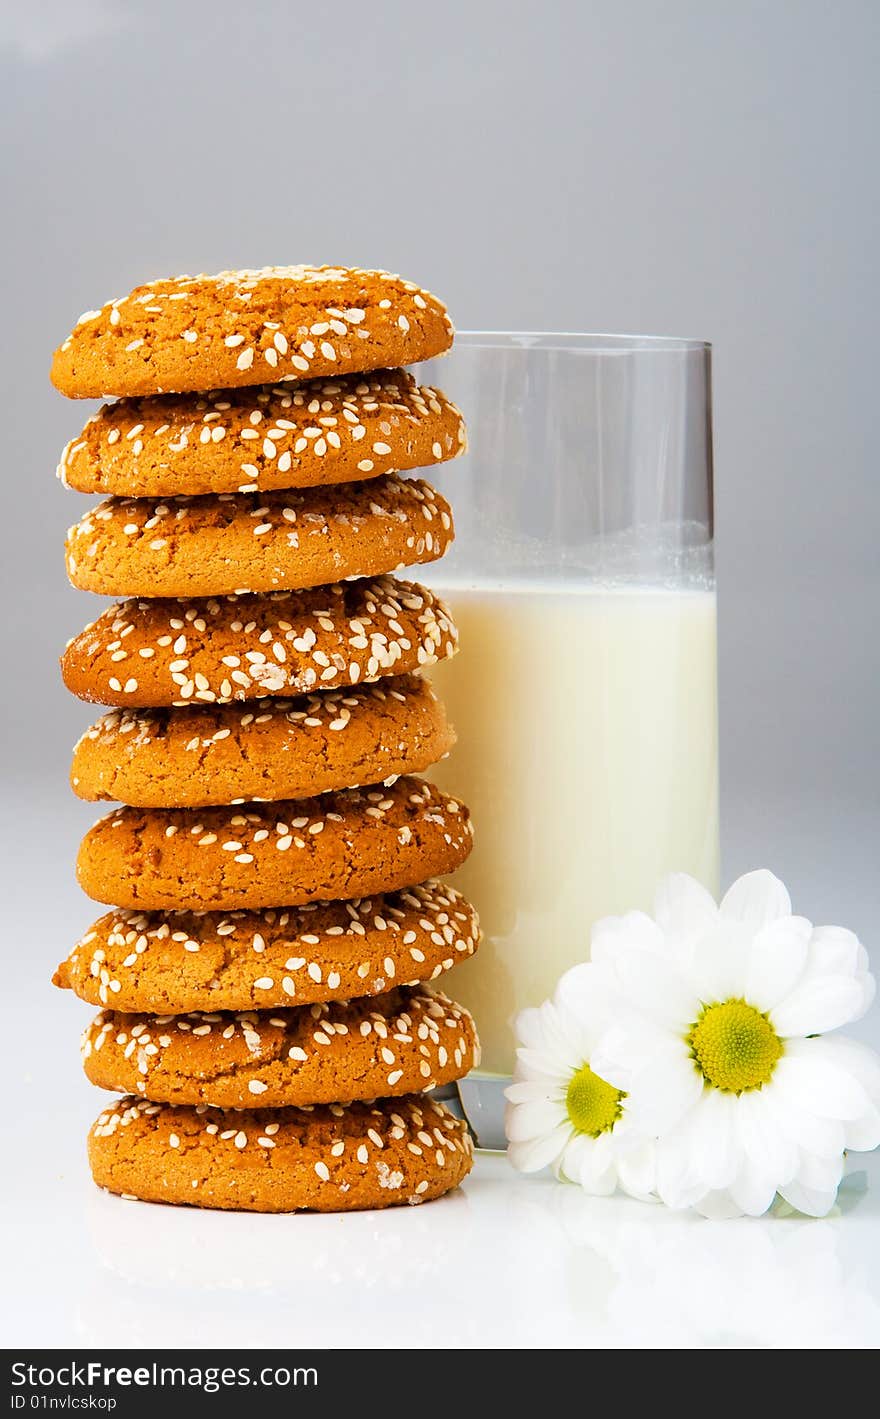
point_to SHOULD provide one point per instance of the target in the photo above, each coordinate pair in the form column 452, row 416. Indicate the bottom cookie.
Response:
column 332, row 1158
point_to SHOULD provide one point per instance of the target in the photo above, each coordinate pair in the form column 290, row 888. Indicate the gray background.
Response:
column 703, row 168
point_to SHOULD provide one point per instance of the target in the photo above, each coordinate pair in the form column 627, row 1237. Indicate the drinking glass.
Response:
column 584, row 693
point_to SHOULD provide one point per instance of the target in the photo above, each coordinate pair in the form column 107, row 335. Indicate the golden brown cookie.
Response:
column 346, row 844
column 246, row 327
column 162, row 652
column 402, row 1042
column 332, row 1158
column 170, row 963
column 239, row 542
column 268, row 436
column 201, row 754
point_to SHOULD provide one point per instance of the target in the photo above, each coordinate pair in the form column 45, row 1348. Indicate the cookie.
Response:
column 246, row 327
column 268, row 436
column 346, row 844
column 332, row 1158
column 221, row 649
column 238, row 542
column 170, row 963
column 402, row 1042
column 197, row 755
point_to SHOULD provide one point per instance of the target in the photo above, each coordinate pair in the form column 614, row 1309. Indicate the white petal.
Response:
column 718, row 1206
column 533, row 1120
column 820, row 1174
column 869, row 983
column 812, row 1204
column 834, row 950
column 862, row 1135
column 756, row 899
column 777, row 958
column 584, row 998
column 683, row 908
column 547, row 1038
column 526, row 1091
column 754, row 1190
column 714, row 1143
column 661, row 1095
column 574, row 1156
column 654, row 988
column 764, row 1143
column 818, row 1086
column 676, row 1184
column 600, row 1174
column 633, row 929
column 539, row 1067
column 823, row 1136
column 817, row 1004
column 861, row 1061
column 529, row 1028
column 637, row 1170
column 629, row 1044
column 537, row 1153
column 590, row 1165
column 617, row 1058
column 719, row 965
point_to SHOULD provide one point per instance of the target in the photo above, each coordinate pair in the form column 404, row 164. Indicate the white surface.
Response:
column 588, row 792
column 505, row 1262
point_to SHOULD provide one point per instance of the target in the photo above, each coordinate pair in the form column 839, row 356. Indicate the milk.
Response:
column 587, row 752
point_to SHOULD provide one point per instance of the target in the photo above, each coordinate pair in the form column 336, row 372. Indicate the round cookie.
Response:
column 332, row 1158
column 221, row 649
column 240, row 542
column 402, row 1042
column 246, row 327
column 268, row 436
column 346, row 844
column 170, row 963
column 197, row 755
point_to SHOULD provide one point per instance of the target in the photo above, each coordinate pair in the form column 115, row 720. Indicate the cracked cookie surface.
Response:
column 173, row 962
column 331, row 1158
column 238, row 328
column 231, row 543
column 402, row 1042
column 269, row 436
column 198, row 755
column 232, row 648
column 346, row 844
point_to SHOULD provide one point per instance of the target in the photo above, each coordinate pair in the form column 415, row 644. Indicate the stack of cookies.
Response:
column 276, row 919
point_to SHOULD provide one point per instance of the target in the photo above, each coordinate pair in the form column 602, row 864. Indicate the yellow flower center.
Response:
column 593, row 1105
column 735, row 1046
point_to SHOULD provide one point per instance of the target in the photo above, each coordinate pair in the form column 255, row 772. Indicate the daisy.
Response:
column 720, row 1042
column 560, row 1111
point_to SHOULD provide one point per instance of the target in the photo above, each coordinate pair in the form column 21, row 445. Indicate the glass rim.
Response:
column 583, row 342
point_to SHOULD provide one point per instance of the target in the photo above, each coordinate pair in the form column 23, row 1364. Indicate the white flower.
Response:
column 562, row 1113
column 719, row 1043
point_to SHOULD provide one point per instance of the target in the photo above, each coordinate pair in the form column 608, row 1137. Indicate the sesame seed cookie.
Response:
column 268, row 436
column 331, row 1158
column 169, row 963
column 197, row 755
column 220, row 649
column 246, row 327
column 402, row 1042
column 346, row 844
column 229, row 543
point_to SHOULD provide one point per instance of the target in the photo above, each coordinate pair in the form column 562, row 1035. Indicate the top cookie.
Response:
column 268, row 436
column 189, row 333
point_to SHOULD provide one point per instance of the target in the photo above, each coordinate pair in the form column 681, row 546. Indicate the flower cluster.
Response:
column 690, row 1059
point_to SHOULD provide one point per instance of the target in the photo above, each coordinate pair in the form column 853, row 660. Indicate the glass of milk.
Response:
column 584, row 693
